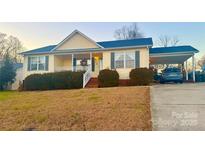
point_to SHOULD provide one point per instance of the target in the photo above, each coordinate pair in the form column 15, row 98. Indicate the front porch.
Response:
column 79, row 62
column 90, row 63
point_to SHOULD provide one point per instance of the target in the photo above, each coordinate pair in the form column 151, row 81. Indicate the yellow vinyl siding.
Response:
column 25, row 66
column 77, row 42
column 66, row 61
column 124, row 72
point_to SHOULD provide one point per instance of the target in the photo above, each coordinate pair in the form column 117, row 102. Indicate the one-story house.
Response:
column 79, row 52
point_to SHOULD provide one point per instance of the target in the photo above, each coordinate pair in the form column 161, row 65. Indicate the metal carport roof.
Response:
column 171, row 55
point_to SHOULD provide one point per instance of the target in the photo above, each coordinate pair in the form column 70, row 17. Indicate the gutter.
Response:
column 171, row 54
column 84, row 50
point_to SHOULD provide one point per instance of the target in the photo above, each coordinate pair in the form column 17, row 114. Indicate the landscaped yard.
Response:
column 120, row 108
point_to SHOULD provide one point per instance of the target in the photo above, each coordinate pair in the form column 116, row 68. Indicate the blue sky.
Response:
column 34, row 35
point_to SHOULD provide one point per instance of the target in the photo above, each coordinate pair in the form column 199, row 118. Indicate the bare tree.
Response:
column 10, row 45
column 2, row 44
column 166, row 41
column 201, row 62
column 128, row 32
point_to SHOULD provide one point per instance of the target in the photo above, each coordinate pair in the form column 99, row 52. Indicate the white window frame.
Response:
column 124, row 60
column 38, row 60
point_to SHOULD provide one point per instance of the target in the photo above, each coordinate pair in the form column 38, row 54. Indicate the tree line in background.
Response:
column 133, row 32
column 10, row 47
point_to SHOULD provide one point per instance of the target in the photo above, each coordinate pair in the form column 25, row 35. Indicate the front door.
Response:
column 97, row 64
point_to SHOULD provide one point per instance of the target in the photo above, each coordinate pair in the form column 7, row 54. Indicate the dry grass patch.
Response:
column 120, row 108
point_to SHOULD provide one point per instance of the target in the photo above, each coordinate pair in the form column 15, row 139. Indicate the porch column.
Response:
column 193, row 68
column 91, row 61
column 72, row 62
column 186, row 70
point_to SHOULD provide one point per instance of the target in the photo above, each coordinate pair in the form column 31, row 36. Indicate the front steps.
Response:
column 93, row 83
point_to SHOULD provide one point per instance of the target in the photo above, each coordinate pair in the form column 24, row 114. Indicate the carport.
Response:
column 174, row 55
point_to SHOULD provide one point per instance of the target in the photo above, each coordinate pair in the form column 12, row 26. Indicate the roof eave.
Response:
column 104, row 49
column 34, row 53
column 86, row 50
column 170, row 53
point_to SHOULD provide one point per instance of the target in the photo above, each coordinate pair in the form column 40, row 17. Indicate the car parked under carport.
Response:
column 174, row 55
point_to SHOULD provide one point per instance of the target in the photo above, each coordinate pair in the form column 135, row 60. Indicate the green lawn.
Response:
column 4, row 95
column 120, row 108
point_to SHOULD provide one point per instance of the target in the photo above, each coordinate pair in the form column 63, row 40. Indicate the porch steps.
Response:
column 93, row 83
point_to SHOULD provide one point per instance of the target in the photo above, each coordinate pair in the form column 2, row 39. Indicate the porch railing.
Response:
column 80, row 68
column 86, row 77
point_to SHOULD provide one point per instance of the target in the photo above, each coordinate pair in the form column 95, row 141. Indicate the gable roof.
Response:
column 127, row 43
column 175, row 49
column 105, row 44
column 71, row 35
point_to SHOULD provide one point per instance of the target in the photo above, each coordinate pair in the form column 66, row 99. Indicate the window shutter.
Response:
column 74, row 61
column 47, row 60
column 137, row 59
column 93, row 64
column 112, row 60
column 28, row 65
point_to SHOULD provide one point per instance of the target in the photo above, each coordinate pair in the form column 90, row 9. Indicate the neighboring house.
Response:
column 79, row 52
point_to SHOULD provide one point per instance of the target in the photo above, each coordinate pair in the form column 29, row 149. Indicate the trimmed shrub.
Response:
column 108, row 78
column 141, row 76
column 57, row 80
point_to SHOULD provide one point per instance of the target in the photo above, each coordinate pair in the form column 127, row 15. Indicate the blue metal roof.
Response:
column 127, row 43
column 40, row 50
column 106, row 44
column 174, row 49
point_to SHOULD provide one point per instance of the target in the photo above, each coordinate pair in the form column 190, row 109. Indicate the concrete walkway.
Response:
column 178, row 106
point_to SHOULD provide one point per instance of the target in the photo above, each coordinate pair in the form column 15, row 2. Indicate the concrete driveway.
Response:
column 178, row 106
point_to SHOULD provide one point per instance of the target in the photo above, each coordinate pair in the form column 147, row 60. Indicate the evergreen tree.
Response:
column 7, row 72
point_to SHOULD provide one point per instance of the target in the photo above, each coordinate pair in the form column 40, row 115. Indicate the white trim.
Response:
column 91, row 61
column 193, row 68
column 86, row 77
column 186, row 65
column 171, row 54
column 120, row 52
column 84, row 50
column 72, row 62
column 124, row 59
column 71, row 35
column 100, row 49
column 37, row 69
